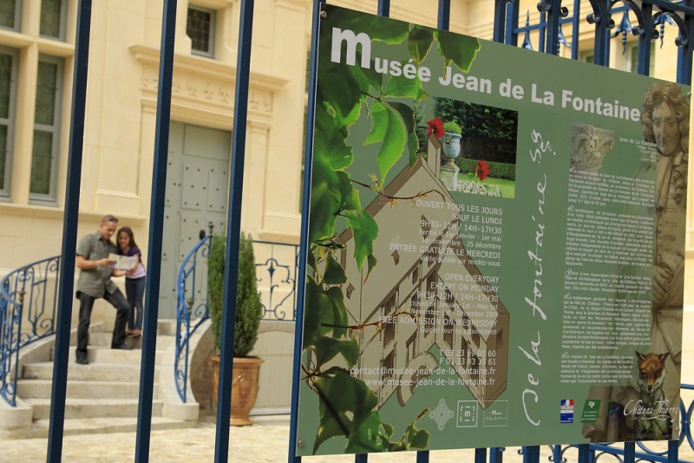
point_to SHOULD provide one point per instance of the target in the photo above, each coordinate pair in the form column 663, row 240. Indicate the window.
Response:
column 8, row 93
column 632, row 59
column 587, row 57
column 463, row 354
column 430, row 321
column 411, row 348
column 448, row 330
column 415, row 304
column 44, row 168
column 389, row 324
column 388, row 368
column 53, row 18
column 201, row 30
column 10, row 14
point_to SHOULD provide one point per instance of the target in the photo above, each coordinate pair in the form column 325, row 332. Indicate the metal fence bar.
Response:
column 303, row 243
column 384, row 7
column 496, row 455
column 233, row 231
column 554, row 12
column 644, row 57
column 629, row 452
column 444, row 15
column 673, row 451
column 575, row 29
column 584, row 453
column 685, row 56
column 531, row 454
column 480, row 455
column 156, row 231
column 70, row 220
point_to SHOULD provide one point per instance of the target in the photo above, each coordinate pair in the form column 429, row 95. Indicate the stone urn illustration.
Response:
column 451, row 150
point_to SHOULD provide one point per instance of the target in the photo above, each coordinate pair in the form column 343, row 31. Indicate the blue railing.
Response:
column 191, row 308
column 277, row 280
column 28, row 301
column 276, row 276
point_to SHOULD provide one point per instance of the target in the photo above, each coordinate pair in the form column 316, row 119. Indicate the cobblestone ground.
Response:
column 267, row 440
column 264, row 442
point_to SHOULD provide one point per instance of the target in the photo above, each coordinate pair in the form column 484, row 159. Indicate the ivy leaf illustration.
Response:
column 337, row 320
column 329, row 140
column 407, row 115
column 326, row 198
column 402, row 87
column 459, row 50
column 316, row 301
column 365, row 230
column 327, row 348
column 387, row 129
column 419, row 42
column 366, row 439
column 334, row 273
column 387, row 31
column 344, row 404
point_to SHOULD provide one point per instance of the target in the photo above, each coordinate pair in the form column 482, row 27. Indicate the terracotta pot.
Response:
column 244, row 387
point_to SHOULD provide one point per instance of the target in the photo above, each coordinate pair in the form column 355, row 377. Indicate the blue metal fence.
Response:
column 191, row 309
column 27, row 314
column 649, row 13
column 29, row 301
column 276, row 274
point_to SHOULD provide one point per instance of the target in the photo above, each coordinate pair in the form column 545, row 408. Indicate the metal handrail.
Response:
column 24, row 316
column 279, row 276
column 192, row 309
column 190, row 312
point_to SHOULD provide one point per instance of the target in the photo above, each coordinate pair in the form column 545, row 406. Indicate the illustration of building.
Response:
column 425, row 291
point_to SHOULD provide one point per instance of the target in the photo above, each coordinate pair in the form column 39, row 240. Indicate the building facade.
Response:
column 37, row 48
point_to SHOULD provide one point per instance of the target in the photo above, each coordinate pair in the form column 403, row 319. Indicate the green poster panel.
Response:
column 496, row 246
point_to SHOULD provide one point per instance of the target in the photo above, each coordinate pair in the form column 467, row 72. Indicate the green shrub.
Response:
column 496, row 169
column 452, row 127
column 249, row 309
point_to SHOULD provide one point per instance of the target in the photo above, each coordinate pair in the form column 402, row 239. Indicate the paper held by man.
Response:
column 123, row 262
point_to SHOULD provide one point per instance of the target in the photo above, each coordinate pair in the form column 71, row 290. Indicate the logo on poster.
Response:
column 566, row 411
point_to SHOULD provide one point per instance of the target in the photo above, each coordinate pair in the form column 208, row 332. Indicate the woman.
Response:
column 134, row 282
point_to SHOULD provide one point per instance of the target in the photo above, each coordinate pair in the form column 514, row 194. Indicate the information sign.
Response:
column 496, row 246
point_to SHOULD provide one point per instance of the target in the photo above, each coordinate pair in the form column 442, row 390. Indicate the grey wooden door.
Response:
column 196, row 194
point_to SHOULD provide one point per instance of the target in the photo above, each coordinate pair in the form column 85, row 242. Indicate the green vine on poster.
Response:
column 346, row 95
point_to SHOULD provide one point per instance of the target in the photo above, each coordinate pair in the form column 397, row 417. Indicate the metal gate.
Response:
column 554, row 14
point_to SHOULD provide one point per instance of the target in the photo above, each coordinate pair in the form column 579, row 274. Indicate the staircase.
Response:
column 103, row 396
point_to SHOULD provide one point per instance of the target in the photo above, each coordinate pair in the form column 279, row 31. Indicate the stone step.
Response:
column 78, row 426
column 104, row 340
column 163, row 341
column 41, row 389
column 92, row 408
column 108, row 355
column 93, row 372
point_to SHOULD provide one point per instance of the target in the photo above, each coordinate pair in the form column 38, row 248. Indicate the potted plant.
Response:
column 248, row 313
column 451, row 139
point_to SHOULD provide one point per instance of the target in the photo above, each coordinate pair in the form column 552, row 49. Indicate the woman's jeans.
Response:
column 135, row 290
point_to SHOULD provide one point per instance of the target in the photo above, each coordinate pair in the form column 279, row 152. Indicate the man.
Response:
column 666, row 123
column 95, row 282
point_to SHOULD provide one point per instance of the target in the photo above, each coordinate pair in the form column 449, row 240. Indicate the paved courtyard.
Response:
column 264, row 442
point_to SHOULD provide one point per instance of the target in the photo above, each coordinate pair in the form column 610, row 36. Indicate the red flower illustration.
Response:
column 435, row 127
column 481, row 169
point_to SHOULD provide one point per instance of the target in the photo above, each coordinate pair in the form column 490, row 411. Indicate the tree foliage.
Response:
column 249, row 309
column 479, row 121
column 346, row 95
